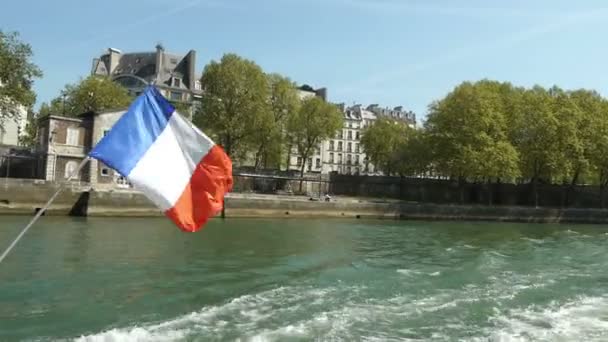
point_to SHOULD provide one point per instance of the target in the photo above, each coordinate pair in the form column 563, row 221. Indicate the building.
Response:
column 174, row 75
column 11, row 129
column 344, row 154
column 397, row 113
column 305, row 91
column 65, row 142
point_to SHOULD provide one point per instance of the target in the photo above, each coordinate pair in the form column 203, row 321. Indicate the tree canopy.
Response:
column 384, row 142
column 17, row 75
column 234, row 105
column 315, row 121
column 94, row 93
column 283, row 104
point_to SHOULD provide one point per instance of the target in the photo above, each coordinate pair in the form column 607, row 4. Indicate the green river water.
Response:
column 301, row 280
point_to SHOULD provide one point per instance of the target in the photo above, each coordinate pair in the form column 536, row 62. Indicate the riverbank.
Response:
column 25, row 197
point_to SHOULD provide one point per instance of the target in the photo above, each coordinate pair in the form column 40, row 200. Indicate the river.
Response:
column 280, row 280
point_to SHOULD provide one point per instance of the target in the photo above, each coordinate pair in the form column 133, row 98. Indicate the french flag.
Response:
column 174, row 164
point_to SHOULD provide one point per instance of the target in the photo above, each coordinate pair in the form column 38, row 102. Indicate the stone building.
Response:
column 14, row 128
column 174, row 75
column 397, row 113
column 64, row 142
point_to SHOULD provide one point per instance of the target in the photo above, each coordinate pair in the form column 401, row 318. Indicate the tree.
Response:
column 315, row 121
column 17, row 74
column 535, row 136
column 598, row 134
column 414, row 156
column 469, row 136
column 382, row 141
column 94, row 93
column 234, row 104
column 283, row 103
column 28, row 139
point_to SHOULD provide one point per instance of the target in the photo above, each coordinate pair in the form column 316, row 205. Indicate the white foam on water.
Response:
column 583, row 319
column 245, row 314
column 435, row 274
column 408, row 272
column 536, row 241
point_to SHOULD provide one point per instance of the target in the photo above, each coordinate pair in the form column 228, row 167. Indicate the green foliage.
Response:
column 28, row 139
column 17, row 74
column 468, row 133
column 283, row 103
column 385, row 143
column 315, row 121
column 94, row 93
column 234, row 104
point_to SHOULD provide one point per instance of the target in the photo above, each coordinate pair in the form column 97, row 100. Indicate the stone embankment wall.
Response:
column 26, row 196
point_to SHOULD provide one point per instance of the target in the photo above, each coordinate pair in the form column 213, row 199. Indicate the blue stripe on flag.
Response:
column 134, row 133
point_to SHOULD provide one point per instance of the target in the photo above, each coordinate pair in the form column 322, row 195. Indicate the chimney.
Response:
column 114, row 59
column 191, row 59
column 159, row 59
column 322, row 93
column 94, row 66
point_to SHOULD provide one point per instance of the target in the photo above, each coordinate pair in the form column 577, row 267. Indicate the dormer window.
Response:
column 177, row 82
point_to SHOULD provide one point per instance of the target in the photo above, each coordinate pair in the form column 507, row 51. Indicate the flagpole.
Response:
column 43, row 209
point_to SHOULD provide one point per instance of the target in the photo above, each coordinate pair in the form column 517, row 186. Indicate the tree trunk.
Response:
column 302, row 174
column 572, row 185
column 259, row 156
column 535, row 189
column 490, row 194
column 461, row 188
column 288, row 158
column 603, row 183
column 602, row 187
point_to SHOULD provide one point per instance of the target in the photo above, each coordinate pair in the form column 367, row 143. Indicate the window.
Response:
column 357, row 148
column 350, row 134
column 299, row 161
column 348, row 159
column 357, row 159
column 73, row 136
column 309, row 164
column 105, row 171
column 177, row 82
column 331, row 145
column 357, row 135
column 331, row 157
column 176, row 96
column 340, row 158
column 318, row 163
column 348, row 170
column 350, row 125
column 70, row 168
column 349, row 147
column 339, row 135
column 339, row 146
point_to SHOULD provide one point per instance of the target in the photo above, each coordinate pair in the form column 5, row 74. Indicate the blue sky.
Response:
column 391, row 52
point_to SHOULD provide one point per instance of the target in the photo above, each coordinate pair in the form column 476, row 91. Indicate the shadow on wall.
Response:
column 81, row 207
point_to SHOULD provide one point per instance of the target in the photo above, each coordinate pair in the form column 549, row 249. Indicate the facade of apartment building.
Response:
column 65, row 142
column 174, row 75
column 343, row 153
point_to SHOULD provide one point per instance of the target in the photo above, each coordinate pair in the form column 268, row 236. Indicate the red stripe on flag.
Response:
column 203, row 197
